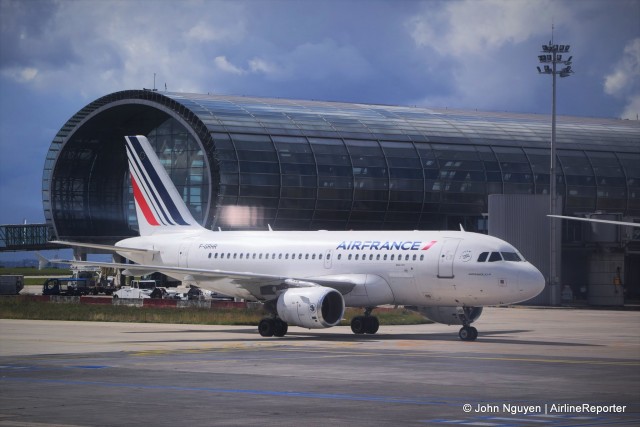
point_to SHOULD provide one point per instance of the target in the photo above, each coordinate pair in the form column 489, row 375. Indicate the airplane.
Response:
column 307, row 278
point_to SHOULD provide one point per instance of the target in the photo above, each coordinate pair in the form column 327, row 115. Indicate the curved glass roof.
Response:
column 383, row 122
column 299, row 164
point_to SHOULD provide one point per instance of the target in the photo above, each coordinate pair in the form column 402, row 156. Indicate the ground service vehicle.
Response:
column 11, row 284
column 137, row 289
column 66, row 287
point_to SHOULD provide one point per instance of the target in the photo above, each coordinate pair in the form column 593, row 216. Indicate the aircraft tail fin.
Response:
column 159, row 207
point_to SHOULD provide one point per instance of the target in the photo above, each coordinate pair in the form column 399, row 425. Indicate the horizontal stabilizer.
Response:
column 109, row 248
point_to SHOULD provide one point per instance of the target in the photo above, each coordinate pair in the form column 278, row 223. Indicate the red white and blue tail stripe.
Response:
column 159, row 207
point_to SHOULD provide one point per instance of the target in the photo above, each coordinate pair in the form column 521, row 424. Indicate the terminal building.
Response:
column 250, row 163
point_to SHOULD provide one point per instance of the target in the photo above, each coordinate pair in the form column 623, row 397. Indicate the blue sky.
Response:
column 57, row 56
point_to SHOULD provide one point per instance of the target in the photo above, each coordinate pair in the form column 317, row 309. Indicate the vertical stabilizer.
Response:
column 159, row 207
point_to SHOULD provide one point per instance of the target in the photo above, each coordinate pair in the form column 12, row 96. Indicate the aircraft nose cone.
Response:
column 531, row 281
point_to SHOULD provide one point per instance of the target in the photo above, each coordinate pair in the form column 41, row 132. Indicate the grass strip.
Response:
column 18, row 308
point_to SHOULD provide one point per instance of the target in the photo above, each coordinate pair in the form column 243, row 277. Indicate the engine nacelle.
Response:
column 451, row 315
column 313, row 307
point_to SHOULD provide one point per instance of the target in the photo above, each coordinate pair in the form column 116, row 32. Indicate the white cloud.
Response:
column 93, row 48
column 258, row 65
column 21, row 75
column 223, row 64
column 480, row 27
column 626, row 72
column 624, row 82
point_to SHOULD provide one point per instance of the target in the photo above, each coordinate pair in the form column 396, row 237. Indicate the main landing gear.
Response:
column 366, row 324
column 273, row 327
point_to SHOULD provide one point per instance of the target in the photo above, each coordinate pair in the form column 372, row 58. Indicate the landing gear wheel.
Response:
column 358, row 325
column 371, row 325
column 365, row 325
column 280, row 328
column 266, row 327
column 468, row 333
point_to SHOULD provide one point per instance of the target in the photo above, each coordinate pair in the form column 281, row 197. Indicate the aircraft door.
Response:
column 447, row 256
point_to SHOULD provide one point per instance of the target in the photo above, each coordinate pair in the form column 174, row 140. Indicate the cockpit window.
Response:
column 511, row 256
column 495, row 256
column 483, row 256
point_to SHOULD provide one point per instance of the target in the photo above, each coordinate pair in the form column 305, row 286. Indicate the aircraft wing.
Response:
column 604, row 221
column 104, row 247
column 260, row 286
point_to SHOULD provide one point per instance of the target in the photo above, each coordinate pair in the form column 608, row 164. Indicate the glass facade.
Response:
column 244, row 163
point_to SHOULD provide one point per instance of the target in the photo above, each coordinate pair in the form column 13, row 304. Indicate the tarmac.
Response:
column 529, row 367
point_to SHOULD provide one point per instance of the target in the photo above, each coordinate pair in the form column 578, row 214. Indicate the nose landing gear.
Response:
column 467, row 332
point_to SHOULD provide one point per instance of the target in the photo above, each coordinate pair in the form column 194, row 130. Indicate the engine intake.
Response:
column 313, row 308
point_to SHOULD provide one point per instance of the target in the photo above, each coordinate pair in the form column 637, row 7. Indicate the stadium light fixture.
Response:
column 550, row 58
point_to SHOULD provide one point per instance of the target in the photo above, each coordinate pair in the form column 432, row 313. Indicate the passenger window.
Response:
column 406, row 257
column 313, row 256
column 421, row 257
column 495, row 256
column 306, row 256
column 385, row 257
column 371, row 257
column 392, row 257
column 483, row 256
column 240, row 256
column 320, row 256
column 339, row 256
column 357, row 256
column 279, row 256
column 378, row 257
column 286, row 256
column 415, row 256
column 349, row 257
column 260, row 256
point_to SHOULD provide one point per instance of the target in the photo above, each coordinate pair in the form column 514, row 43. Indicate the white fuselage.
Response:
column 421, row 268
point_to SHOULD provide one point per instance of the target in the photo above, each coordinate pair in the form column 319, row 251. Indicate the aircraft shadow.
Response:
column 491, row 337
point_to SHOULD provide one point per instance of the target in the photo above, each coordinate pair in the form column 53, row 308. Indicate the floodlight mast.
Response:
column 551, row 56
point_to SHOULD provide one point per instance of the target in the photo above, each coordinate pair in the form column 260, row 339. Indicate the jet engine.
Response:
column 312, row 307
column 451, row 315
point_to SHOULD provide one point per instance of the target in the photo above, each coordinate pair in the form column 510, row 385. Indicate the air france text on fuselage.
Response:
column 375, row 245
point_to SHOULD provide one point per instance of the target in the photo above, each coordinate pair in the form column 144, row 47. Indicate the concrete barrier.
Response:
column 96, row 300
column 130, row 302
column 64, row 299
column 193, row 304
column 228, row 304
column 154, row 302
